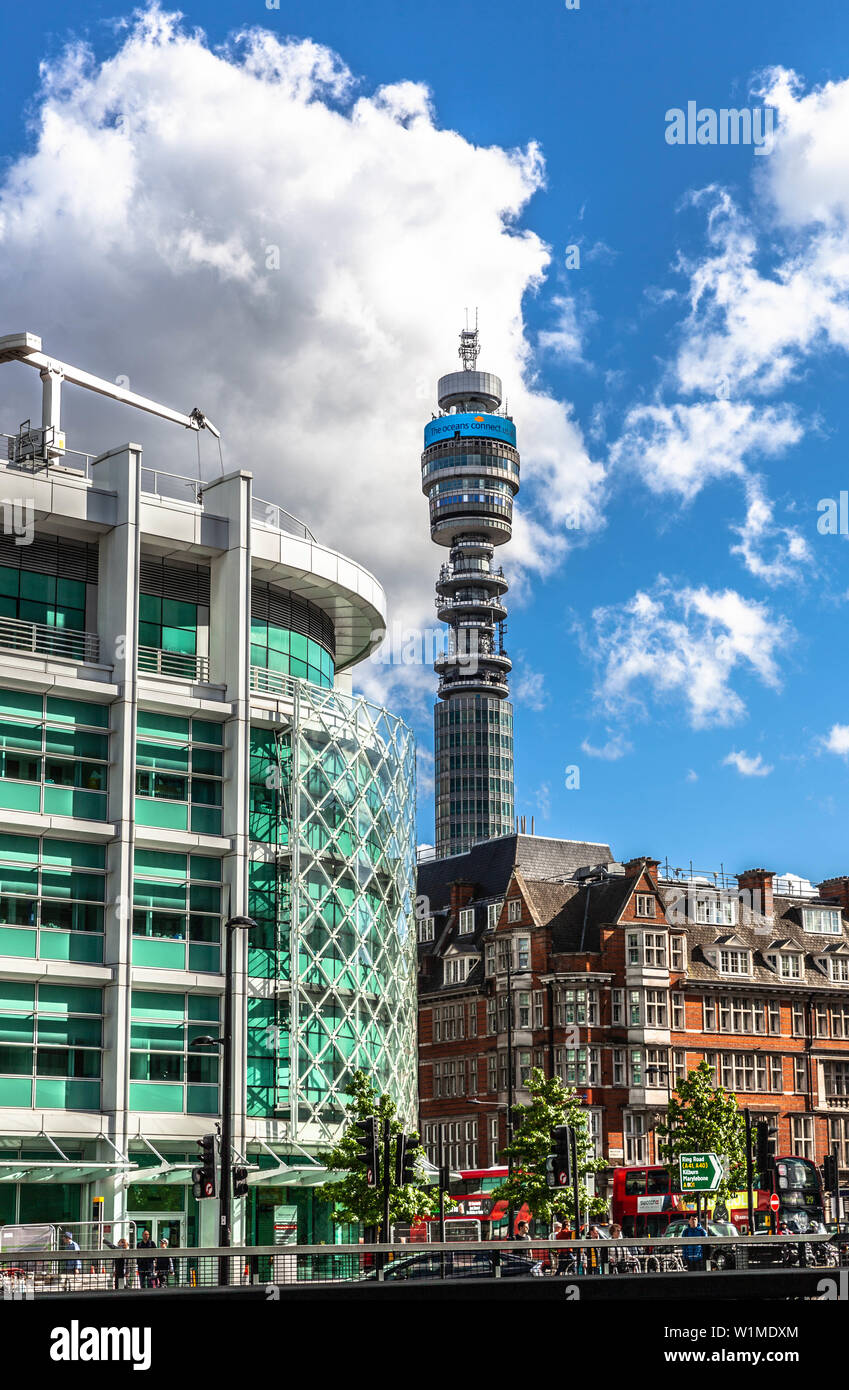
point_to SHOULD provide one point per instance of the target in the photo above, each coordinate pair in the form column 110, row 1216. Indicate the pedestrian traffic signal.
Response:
column 365, row 1132
column 240, row 1182
column 405, row 1158
column 765, row 1135
column 558, row 1167
column 203, row 1177
column 829, row 1173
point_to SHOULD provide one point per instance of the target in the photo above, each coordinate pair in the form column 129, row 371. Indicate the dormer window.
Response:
column 493, row 912
column 789, row 965
column 646, row 905
column 514, row 910
column 467, row 920
column 734, row 962
column 824, row 921
column 715, row 909
column 457, row 968
column 838, row 969
column 427, row 928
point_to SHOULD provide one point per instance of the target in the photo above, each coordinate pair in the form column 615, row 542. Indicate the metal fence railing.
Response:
column 182, row 666
column 65, row 643
column 26, row 1273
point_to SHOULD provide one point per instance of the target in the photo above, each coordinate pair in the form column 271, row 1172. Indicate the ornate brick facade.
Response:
column 620, row 981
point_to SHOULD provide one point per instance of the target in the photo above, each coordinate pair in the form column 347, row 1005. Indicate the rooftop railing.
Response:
column 40, row 640
column 269, row 514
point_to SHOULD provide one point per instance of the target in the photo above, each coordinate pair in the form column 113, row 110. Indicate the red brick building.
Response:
column 621, row 980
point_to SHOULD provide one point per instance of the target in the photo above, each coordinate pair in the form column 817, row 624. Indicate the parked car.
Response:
column 458, row 1264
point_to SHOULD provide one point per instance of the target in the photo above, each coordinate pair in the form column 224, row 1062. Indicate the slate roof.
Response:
column 786, row 926
column 593, row 906
column 489, row 865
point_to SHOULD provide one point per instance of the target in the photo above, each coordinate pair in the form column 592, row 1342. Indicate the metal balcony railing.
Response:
column 267, row 682
column 269, row 514
column 178, row 665
column 41, row 640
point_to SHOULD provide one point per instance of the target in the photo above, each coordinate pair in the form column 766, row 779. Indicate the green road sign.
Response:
column 701, row 1172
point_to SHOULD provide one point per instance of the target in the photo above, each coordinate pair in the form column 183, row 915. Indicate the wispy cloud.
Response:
column 747, row 766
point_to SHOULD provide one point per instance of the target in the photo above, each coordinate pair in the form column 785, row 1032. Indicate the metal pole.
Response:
column 442, row 1182
column 835, row 1194
column 749, row 1172
column 573, row 1144
column 510, row 1084
column 226, row 1110
column 387, row 1178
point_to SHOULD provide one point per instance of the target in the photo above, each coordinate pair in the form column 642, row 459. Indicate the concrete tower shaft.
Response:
column 470, row 475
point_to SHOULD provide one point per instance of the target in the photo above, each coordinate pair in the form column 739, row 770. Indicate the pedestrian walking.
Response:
column 694, row 1255
column 119, row 1267
column 164, row 1266
column 623, row 1257
column 71, row 1266
column 145, row 1266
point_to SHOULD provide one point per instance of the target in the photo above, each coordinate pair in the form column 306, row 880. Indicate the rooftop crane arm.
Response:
column 26, row 347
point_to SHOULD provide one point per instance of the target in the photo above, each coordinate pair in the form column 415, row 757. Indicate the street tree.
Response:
column 552, row 1104
column 353, row 1198
column 704, row 1118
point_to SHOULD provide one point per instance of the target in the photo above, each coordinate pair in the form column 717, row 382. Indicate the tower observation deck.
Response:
column 470, row 475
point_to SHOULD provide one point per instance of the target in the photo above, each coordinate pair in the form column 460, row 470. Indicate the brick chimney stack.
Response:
column 462, row 892
column 759, row 882
column 634, row 866
column 836, row 888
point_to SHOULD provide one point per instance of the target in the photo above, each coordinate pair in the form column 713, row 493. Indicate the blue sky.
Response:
column 696, row 360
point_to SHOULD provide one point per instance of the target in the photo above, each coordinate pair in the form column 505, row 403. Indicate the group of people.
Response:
column 619, row 1259
column 154, row 1271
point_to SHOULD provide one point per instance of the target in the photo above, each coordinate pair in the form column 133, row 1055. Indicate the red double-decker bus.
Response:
column 646, row 1198
column 474, row 1203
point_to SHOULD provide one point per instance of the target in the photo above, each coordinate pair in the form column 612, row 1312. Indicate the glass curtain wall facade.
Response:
column 192, row 754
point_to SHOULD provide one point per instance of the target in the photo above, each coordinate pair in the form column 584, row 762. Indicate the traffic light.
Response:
column 558, row 1168
column 405, row 1158
column 203, row 1177
column 240, row 1182
column 764, row 1146
column 829, row 1172
column 366, row 1136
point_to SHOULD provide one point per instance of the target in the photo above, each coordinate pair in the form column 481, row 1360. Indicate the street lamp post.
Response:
column 225, row 1042
column 510, row 1086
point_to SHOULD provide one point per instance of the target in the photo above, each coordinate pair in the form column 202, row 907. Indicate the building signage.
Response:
column 467, row 424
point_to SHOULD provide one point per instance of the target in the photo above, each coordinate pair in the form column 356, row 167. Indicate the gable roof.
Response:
column 491, row 864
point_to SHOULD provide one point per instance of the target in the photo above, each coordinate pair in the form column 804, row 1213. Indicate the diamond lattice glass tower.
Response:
column 470, row 475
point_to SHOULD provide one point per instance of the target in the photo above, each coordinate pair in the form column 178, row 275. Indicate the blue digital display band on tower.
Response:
column 470, row 426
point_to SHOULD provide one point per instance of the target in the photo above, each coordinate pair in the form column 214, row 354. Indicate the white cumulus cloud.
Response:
column 248, row 230
column 687, row 645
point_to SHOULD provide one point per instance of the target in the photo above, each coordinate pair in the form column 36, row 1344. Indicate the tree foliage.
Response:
column 552, row 1104
column 354, row 1199
column 703, row 1118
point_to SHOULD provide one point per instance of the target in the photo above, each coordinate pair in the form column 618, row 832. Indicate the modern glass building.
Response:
column 179, row 744
column 470, row 475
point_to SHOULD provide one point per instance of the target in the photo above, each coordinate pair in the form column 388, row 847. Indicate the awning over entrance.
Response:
column 48, row 1170
column 301, row 1175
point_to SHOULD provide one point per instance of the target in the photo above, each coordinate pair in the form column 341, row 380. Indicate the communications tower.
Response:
column 470, row 475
